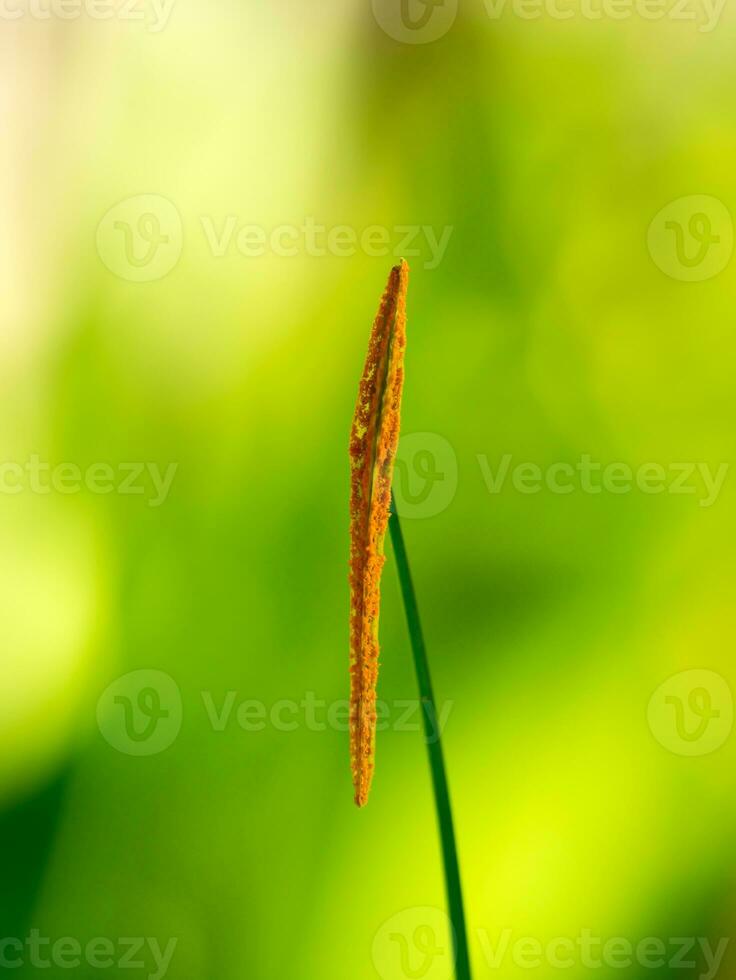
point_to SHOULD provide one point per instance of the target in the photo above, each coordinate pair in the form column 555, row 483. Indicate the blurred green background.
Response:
column 558, row 322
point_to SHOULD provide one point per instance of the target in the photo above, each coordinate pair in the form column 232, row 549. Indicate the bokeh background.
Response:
column 556, row 324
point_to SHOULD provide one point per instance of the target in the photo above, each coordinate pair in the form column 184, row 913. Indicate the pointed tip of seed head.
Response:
column 362, row 791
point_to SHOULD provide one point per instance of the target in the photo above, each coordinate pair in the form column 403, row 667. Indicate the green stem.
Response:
column 434, row 750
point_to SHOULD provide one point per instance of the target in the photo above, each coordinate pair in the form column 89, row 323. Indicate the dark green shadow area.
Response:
column 27, row 831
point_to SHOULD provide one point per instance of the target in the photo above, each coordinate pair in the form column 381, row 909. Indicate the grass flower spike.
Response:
column 373, row 441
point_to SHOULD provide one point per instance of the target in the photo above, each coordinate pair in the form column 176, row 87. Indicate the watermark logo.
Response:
column 415, row 21
column 422, row 21
column 691, row 239
column 425, row 477
column 140, row 239
column 691, row 713
column 141, row 712
column 415, row 944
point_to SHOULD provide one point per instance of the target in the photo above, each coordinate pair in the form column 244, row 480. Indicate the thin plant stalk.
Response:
column 434, row 750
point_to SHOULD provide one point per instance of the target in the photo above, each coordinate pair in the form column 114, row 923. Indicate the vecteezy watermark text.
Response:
column 427, row 474
column 417, row 942
column 706, row 13
column 152, row 14
column 141, row 239
column 592, row 952
column 593, row 477
column 318, row 715
column 100, row 953
column 39, row 476
column 317, row 240
column 141, row 713
column 424, row 21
